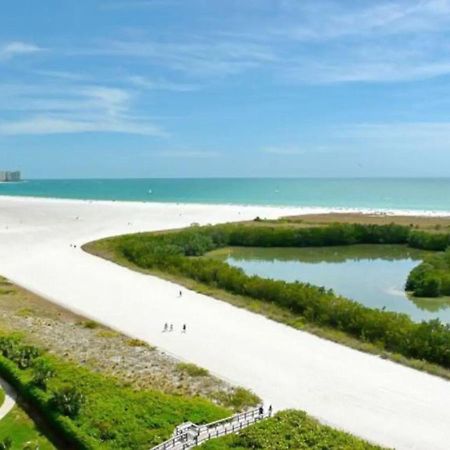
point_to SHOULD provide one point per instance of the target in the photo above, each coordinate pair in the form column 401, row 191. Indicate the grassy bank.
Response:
column 91, row 410
column 290, row 430
column 174, row 255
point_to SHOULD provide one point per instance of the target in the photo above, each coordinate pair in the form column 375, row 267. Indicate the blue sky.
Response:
column 191, row 88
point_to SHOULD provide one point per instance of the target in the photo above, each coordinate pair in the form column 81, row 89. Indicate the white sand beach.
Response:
column 376, row 399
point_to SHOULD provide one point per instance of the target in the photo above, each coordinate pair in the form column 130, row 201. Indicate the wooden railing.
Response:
column 197, row 434
column 175, row 443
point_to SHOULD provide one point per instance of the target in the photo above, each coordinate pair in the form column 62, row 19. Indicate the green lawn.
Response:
column 18, row 426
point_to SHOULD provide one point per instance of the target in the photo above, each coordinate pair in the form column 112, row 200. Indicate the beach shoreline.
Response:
column 301, row 210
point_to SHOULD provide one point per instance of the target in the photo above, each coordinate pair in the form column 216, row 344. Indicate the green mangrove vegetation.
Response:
column 432, row 277
column 180, row 254
column 289, row 430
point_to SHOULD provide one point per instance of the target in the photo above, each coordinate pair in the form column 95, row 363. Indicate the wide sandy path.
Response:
column 376, row 399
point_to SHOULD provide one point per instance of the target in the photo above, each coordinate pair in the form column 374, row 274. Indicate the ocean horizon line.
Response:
column 400, row 177
column 383, row 194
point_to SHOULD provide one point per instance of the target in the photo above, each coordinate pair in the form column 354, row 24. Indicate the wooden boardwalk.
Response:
column 187, row 436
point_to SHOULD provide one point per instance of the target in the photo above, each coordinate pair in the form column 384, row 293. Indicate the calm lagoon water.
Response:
column 373, row 275
column 424, row 194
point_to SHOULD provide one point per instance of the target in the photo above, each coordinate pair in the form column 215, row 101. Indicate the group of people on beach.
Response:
column 169, row 328
column 261, row 411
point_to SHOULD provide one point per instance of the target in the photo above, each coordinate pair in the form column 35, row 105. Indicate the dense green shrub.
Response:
column 432, row 277
column 171, row 252
column 289, row 430
column 42, row 372
column 67, row 401
column 429, row 241
column 22, row 355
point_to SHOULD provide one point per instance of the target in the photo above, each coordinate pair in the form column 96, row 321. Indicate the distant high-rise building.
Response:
column 6, row 175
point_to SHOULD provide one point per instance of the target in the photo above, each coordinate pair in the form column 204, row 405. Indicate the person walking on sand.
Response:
column 184, row 328
column 165, row 327
column 171, row 327
column 180, row 294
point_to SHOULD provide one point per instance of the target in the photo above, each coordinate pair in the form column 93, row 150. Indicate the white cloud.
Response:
column 131, row 4
column 56, row 109
column 160, row 84
column 284, row 151
column 385, row 41
column 112, row 101
column 366, row 70
column 414, row 136
column 201, row 57
column 329, row 20
column 188, row 154
column 41, row 125
column 15, row 48
column 60, row 74
column 313, row 42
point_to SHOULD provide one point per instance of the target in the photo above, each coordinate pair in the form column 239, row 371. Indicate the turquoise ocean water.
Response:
column 430, row 194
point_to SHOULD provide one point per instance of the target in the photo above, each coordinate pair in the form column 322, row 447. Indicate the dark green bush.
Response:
column 67, row 401
column 290, row 430
column 42, row 372
column 432, row 277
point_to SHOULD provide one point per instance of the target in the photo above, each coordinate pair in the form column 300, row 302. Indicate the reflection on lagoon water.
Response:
column 374, row 275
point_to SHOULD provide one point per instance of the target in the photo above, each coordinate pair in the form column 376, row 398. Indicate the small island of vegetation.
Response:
column 432, row 277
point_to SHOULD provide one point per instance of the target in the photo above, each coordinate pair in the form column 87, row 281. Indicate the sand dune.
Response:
column 373, row 398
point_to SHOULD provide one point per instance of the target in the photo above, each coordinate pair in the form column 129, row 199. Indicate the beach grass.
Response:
column 192, row 369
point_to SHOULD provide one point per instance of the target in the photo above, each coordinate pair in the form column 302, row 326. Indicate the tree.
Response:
column 430, row 286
